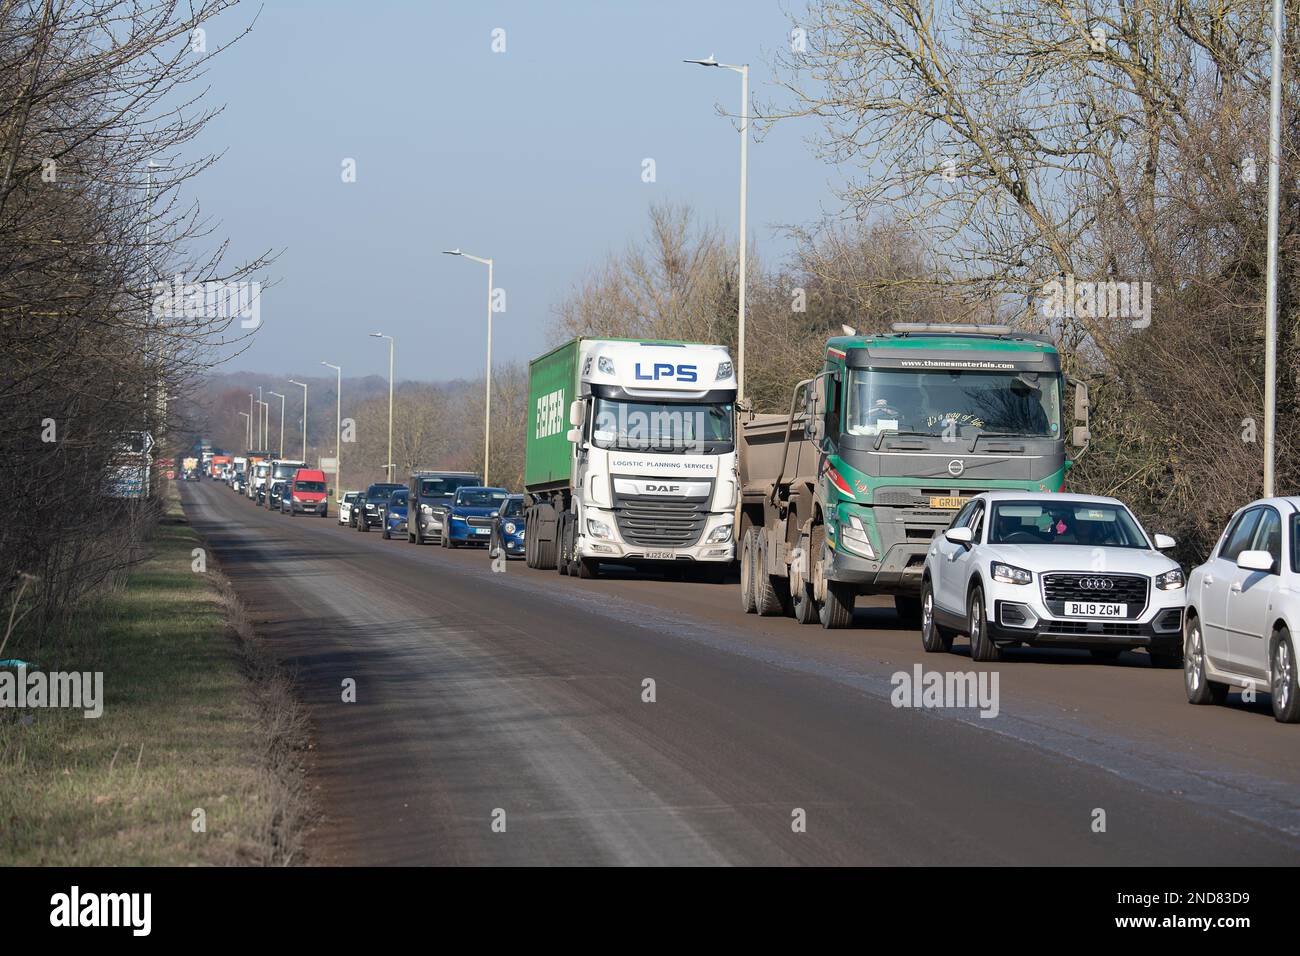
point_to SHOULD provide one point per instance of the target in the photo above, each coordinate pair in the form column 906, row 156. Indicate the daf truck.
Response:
column 842, row 495
column 630, row 457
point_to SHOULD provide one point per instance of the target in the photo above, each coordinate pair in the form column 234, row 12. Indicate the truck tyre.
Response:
column 835, row 610
column 802, row 604
column 747, row 570
column 934, row 638
column 768, row 600
column 546, row 550
column 564, row 553
column 588, row 568
column 981, row 647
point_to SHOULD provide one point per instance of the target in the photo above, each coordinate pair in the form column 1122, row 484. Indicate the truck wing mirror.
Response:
column 575, row 413
column 574, row 435
column 1080, row 436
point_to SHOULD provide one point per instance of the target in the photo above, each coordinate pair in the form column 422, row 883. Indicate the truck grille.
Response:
column 1130, row 589
column 657, row 522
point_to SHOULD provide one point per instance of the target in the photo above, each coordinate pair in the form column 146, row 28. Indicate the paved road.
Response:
column 518, row 697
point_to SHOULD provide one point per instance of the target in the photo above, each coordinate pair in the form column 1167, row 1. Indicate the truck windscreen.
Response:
column 682, row 428
column 961, row 403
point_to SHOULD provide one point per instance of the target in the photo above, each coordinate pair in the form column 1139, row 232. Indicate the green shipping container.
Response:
column 552, row 386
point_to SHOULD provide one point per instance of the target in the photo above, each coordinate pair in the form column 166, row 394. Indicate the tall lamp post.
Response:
column 1270, row 305
column 487, row 398
column 281, row 398
column 338, row 431
column 250, row 421
column 388, row 468
column 303, row 386
column 248, row 431
column 263, row 425
column 743, row 70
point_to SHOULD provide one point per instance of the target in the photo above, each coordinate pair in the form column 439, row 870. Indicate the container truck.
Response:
column 842, row 495
column 630, row 457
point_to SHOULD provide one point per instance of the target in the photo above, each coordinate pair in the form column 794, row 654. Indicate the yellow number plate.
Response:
column 952, row 503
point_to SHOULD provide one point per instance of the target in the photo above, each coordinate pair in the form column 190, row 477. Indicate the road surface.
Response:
column 501, row 719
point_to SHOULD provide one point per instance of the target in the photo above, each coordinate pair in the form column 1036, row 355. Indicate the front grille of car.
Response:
column 1128, row 589
column 477, row 521
column 652, row 521
column 1103, row 628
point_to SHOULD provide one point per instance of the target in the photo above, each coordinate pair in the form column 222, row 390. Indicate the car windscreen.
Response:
column 397, row 501
column 286, row 469
column 1087, row 523
column 480, row 499
column 309, row 486
column 514, row 508
column 382, row 491
column 446, row 486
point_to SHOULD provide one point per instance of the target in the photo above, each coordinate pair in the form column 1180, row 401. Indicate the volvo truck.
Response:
column 631, row 457
column 842, row 495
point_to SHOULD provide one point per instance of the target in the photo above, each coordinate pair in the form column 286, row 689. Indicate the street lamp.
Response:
column 281, row 398
column 487, row 398
column 248, row 430
column 263, row 423
column 250, row 421
column 743, row 70
column 338, row 432
column 303, row 386
column 388, row 468
column 1270, row 288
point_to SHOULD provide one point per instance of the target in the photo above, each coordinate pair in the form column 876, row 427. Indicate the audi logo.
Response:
column 1096, row 584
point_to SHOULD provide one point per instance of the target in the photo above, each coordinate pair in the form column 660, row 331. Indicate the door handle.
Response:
column 1236, row 587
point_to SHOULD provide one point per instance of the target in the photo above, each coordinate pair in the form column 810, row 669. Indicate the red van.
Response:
column 306, row 493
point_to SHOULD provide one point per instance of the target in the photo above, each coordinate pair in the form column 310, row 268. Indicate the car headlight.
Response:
column 510, row 527
column 598, row 529
column 719, row 534
column 369, row 507
column 425, row 509
column 1010, row 574
column 1170, row 580
column 854, row 537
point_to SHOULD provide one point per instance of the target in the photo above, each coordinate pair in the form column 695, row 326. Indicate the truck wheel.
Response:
column 747, row 564
column 933, row 637
column 564, row 554
column 768, row 598
column 981, row 648
column 801, row 598
column 588, row 568
column 545, row 520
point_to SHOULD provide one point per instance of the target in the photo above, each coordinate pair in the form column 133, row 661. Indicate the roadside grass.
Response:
column 196, row 717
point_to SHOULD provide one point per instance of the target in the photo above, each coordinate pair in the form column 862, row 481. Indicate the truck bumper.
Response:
column 899, row 572
column 616, row 549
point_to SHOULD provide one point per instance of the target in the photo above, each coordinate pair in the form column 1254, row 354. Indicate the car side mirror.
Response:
column 1164, row 542
column 961, row 536
column 1255, row 561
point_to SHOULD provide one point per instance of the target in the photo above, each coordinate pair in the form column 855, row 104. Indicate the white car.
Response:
column 1051, row 569
column 1243, row 609
column 345, row 506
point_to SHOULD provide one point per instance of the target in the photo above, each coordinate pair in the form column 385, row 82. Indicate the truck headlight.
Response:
column 1010, row 574
column 1170, row 580
column 719, row 534
column 598, row 529
column 854, row 537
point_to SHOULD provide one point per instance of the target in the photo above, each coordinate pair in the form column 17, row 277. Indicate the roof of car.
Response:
column 1045, row 496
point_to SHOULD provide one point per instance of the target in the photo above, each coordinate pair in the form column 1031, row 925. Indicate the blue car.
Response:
column 508, row 529
column 394, row 517
column 468, row 518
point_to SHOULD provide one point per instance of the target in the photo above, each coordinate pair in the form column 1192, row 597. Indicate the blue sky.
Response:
column 532, row 156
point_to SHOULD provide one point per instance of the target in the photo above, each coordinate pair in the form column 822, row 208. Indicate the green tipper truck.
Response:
column 842, row 495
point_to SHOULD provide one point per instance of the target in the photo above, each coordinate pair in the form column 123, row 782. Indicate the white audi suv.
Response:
column 1243, row 609
column 1051, row 569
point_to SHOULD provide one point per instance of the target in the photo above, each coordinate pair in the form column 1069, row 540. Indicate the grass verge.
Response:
column 198, row 725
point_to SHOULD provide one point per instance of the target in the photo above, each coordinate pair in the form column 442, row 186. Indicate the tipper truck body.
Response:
column 842, row 495
column 630, row 457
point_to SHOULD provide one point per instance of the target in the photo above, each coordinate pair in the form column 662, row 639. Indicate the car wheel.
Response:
column 747, row 547
column 1200, row 689
column 933, row 637
column 981, row 648
column 386, row 535
column 1283, row 679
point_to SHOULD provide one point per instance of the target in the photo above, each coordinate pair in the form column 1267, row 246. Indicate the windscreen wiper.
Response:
column 880, row 436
